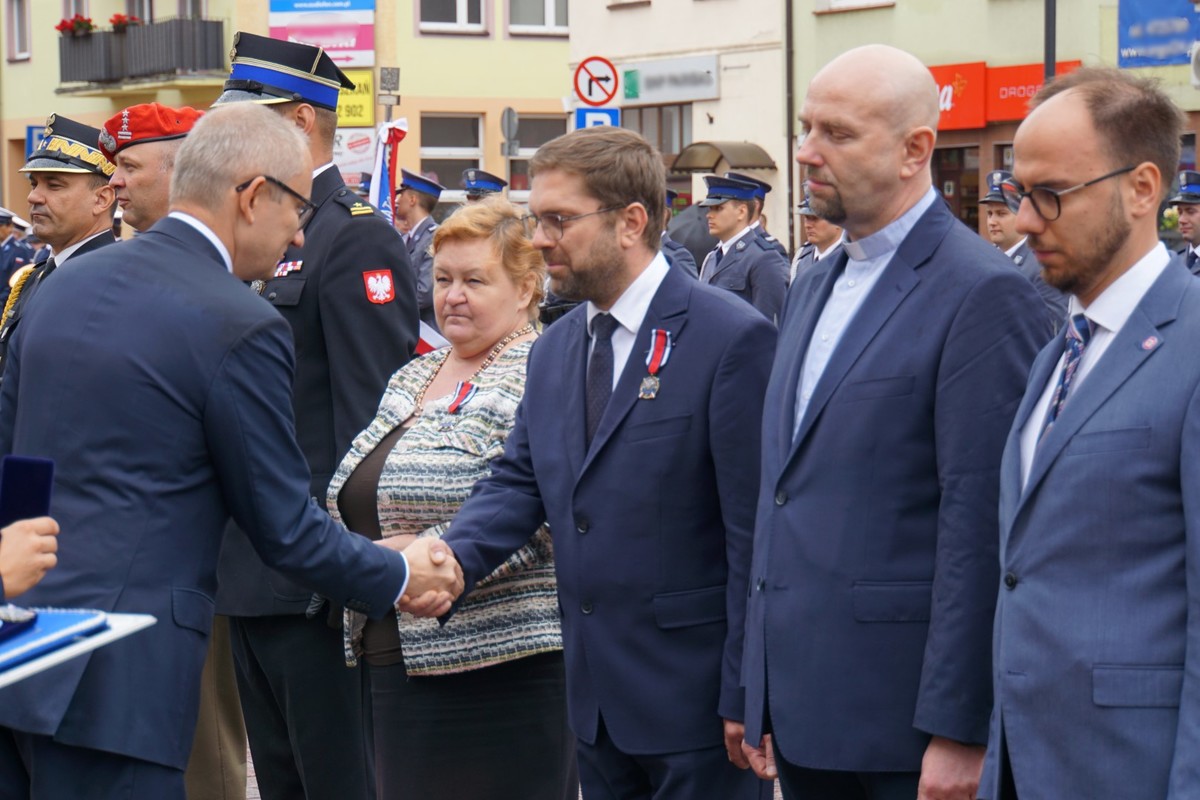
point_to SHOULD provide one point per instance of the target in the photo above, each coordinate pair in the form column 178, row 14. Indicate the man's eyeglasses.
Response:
column 1045, row 201
column 552, row 224
column 306, row 210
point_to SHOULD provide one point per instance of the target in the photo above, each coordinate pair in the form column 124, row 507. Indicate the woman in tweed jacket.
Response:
column 475, row 708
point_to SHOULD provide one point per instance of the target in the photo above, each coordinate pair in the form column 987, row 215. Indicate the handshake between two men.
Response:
column 435, row 580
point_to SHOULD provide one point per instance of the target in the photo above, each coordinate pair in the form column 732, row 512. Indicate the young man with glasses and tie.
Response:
column 1097, row 636
column 637, row 439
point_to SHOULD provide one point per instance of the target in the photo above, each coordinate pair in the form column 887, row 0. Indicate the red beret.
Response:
column 148, row 122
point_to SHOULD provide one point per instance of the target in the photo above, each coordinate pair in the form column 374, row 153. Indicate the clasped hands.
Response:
column 435, row 580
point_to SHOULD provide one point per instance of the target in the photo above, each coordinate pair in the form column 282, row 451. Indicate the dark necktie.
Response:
column 600, row 372
column 1077, row 336
column 1191, row 260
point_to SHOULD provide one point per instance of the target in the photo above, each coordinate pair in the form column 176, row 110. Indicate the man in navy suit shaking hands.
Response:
column 900, row 365
column 637, row 439
column 161, row 387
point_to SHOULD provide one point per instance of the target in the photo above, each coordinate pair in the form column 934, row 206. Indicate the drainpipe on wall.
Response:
column 789, row 82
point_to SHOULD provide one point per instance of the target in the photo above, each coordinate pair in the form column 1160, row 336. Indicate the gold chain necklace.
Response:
column 419, row 407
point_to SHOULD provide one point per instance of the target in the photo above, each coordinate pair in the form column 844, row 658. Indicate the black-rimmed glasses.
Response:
column 307, row 209
column 1046, row 201
column 552, row 224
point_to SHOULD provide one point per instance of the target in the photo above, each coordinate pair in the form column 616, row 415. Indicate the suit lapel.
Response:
column 1138, row 341
column 667, row 310
column 574, row 371
column 798, row 327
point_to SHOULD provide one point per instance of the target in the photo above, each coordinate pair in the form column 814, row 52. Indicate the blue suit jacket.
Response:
column 652, row 524
column 875, row 546
column 166, row 406
column 1097, row 634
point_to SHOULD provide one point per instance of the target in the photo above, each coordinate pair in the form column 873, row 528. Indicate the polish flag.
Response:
column 429, row 340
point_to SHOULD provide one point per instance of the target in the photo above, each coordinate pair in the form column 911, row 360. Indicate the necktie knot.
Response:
column 603, row 326
column 1080, row 330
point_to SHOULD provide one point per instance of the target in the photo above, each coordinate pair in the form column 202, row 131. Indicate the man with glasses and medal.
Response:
column 637, row 439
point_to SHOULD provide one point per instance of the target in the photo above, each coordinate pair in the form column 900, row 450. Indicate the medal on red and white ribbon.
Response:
column 656, row 359
column 463, row 394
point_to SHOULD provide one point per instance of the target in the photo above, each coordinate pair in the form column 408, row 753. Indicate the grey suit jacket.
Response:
column 1097, row 632
column 1056, row 301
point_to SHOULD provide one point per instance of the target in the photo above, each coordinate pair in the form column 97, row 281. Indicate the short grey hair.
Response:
column 231, row 144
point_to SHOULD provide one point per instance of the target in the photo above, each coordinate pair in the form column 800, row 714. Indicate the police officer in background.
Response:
column 1002, row 232
column 70, row 206
column 349, row 294
column 676, row 254
column 14, row 252
column 743, row 262
column 415, row 200
column 761, row 189
column 822, row 240
column 479, row 184
column 1187, row 203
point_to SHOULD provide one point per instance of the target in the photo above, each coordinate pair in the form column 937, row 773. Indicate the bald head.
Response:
column 870, row 119
column 897, row 85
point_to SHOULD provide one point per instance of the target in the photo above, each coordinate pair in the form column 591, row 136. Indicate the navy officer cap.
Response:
column 270, row 71
column 722, row 189
column 762, row 187
column 6, row 216
column 1189, row 188
column 804, row 208
column 994, row 179
column 419, row 183
column 671, row 195
column 69, row 146
column 476, row 181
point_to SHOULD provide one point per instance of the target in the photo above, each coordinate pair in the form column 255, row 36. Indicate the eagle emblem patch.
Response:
column 380, row 288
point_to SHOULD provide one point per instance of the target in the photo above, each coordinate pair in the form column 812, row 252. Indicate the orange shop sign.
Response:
column 962, row 95
column 1009, row 89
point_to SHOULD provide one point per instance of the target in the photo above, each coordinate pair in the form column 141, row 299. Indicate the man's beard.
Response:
column 599, row 277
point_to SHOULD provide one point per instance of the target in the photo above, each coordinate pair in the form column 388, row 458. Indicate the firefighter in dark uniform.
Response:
column 676, row 254
column 479, row 184
column 73, row 219
column 349, row 294
column 414, row 204
column 762, row 188
column 14, row 253
column 742, row 262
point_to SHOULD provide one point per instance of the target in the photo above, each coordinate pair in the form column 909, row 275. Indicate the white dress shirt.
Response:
column 629, row 311
column 67, row 252
column 868, row 257
column 208, row 234
column 1108, row 314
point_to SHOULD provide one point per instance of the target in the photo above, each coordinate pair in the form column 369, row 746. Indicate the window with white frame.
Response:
column 192, row 9
column 73, row 7
column 452, row 16
column 538, row 16
column 450, row 144
column 142, row 9
column 669, row 128
column 16, row 22
column 532, row 133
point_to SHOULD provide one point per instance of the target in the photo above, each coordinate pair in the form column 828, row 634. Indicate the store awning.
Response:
column 705, row 156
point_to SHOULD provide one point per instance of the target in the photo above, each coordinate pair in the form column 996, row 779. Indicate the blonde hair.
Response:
column 499, row 221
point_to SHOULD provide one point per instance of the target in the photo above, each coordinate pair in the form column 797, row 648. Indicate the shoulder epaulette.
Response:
column 357, row 206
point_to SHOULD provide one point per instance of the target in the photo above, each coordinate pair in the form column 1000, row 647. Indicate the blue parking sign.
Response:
column 591, row 117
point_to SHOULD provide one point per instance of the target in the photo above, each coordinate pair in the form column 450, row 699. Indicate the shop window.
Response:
column 448, row 146
column 533, row 132
column 73, row 7
column 669, row 128
column 538, row 16
column 452, row 16
column 192, row 9
column 16, row 22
